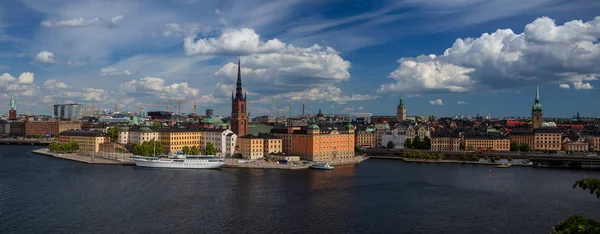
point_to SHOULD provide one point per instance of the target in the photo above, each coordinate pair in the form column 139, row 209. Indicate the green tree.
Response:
column 524, row 147
column 510, row 159
column 578, row 223
column 194, row 150
column 463, row 157
column 210, row 149
column 471, row 148
column 186, row 150
column 390, row 145
column 417, row 143
column 121, row 150
column 408, row 144
column 156, row 125
column 113, row 133
column 514, row 146
column 426, row 143
column 148, row 148
column 53, row 146
column 74, row 146
column 474, row 157
column 486, row 158
column 497, row 158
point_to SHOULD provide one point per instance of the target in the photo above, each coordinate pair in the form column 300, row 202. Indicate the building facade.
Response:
column 360, row 117
column 401, row 110
column 239, row 116
column 224, row 141
column 366, row 139
column 574, row 143
column 489, row 143
column 251, row 147
column 593, row 142
column 315, row 143
column 174, row 139
column 395, row 136
column 446, row 141
column 73, row 111
column 89, row 141
column 272, row 145
column 548, row 139
column 285, row 134
column 536, row 111
column 524, row 136
column 41, row 128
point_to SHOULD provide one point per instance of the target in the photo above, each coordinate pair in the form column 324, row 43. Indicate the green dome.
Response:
column 350, row 126
column 165, row 124
column 313, row 126
column 145, row 129
column 213, row 120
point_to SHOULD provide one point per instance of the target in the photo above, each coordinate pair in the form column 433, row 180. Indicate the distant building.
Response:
column 523, row 136
column 421, row 131
column 593, row 141
column 401, row 110
column 574, row 143
column 12, row 113
column 174, row 139
column 73, row 111
column 367, row 138
column 491, row 143
column 285, row 133
column 89, row 141
column 396, row 136
column 272, row 144
column 445, row 141
column 209, row 113
column 136, row 135
column 548, row 139
column 160, row 115
column 360, row 117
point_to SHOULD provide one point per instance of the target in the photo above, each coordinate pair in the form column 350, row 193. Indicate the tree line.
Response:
column 417, row 143
column 148, row 148
column 514, row 146
column 64, row 148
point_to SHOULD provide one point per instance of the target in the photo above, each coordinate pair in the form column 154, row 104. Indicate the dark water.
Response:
column 41, row 194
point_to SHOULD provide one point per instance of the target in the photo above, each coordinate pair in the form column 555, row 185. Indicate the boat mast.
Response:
column 154, row 144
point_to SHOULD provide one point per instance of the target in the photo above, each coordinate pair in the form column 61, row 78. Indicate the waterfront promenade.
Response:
column 81, row 157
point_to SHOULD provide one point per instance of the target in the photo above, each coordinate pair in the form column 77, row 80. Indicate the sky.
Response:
column 446, row 58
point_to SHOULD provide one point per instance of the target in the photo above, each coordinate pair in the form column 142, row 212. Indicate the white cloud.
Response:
column 564, row 86
column 156, row 87
column 437, row 102
column 6, row 79
column 184, row 30
column 462, row 103
column 26, row 78
column 581, row 85
column 111, row 71
column 53, row 85
column 45, row 57
column 82, row 22
column 232, row 41
column 503, row 59
column 329, row 93
column 86, row 94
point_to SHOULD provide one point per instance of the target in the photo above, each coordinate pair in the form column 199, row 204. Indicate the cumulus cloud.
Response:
column 462, row 103
column 232, row 41
column 328, row 93
column 26, row 78
column 111, row 71
column 437, row 102
column 82, row 22
column 86, row 94
column 564, row 86
column 581, row 85
column 156, row 86
column 54, row 85
column 553, row 53
column 45, row 57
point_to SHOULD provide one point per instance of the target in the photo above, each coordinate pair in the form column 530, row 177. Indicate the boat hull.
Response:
column 182, row 164
column 321, row 167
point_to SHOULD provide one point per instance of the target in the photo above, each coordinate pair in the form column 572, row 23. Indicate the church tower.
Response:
column 239, row 117
column 401, row 110
column 12, row 113
column 536, row 110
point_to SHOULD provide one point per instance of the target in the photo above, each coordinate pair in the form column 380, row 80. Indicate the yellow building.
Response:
column 366, row 139
column 272, row 145
column 574, row 143
column 174, row 139
column 593, row 141
column 324, row 143
column 445, row 141
column 491, row 143
column 524, row 136
column 548, row 139
column 251, row 147
column 89, row 141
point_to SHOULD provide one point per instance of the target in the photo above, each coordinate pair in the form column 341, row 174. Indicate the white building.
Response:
column 396, row 136
column 136, row 136
column 224, row 141
column 360, row 117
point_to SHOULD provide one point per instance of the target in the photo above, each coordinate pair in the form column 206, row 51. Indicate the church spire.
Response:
column 537, row 92
column 238, row 89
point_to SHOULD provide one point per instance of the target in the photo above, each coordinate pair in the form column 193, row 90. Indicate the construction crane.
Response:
column 178, row 105
column 165, row 105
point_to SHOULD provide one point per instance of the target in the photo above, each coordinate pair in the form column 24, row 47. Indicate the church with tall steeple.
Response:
column 239, row 116
column 536, row 110
column 401, row 110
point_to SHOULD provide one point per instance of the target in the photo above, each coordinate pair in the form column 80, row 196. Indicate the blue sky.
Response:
column 445, row 57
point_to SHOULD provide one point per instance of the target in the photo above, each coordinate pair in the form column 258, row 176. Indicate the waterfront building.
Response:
column 136, row 135
column 73, row 111
column 574, row 143
column 272, row 144
column 89, row 141
column 593, row 141
column 323, row 143
column 174, row 139
column 12, row 113
column 445, row 141
column 523, row 136
column 536, row 110
column 285, row 134
column 16, row 128
column 486, row 142
column 397, row 136
column 41, row 128
column 366, row 138
column 421, row 131
column 548, row 139
column 251, row 147
column 239, row 117
column 401, row 110
column 224, row 141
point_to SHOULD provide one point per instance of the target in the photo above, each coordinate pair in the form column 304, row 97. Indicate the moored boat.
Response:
column 321, row 166
column 180, row 161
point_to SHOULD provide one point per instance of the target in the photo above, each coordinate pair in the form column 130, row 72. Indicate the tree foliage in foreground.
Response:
column 578, row 223
column 64, row 148
column 148, row 148
column 210, row 149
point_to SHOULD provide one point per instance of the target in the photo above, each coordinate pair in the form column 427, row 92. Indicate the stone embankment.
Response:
column 80, row 157
column 452, row 161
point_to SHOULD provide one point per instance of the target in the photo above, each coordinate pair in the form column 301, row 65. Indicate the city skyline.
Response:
column 337, row 57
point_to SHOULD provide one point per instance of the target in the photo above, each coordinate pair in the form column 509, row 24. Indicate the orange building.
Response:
column 491, row 143
column 251, row 147
column 272, row 144
column 285, row 133
column 523, row 136
column 324, row 143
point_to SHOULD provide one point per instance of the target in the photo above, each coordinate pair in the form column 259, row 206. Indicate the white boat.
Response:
column 179, row 161
column 321, row 166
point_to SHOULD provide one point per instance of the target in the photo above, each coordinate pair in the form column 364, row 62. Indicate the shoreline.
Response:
column 78, row 157
column 409, row 160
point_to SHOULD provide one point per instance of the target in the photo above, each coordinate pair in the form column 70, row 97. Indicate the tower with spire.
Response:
column 536, row 110
column 12, row 113
column 239, row 116
column 401, row 110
